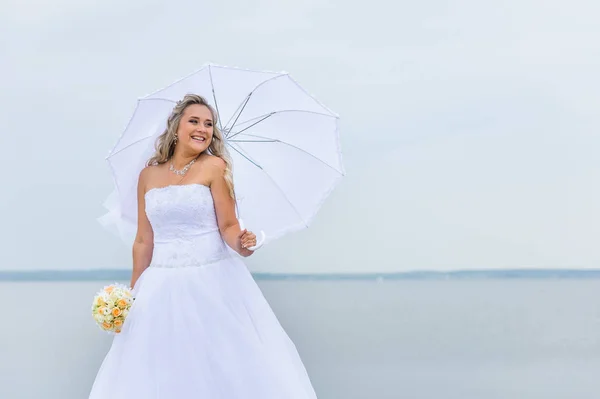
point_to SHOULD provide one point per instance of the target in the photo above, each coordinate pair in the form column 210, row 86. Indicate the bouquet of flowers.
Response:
column 111, row 306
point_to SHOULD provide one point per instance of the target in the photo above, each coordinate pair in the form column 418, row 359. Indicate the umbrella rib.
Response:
column 270, row 140
column 137, row 105
column 278, row 188
column 129, row 145
column 131, row 120
column 212, row 86
column 281, row 111
column 243, row 103
column 253, row 90
column 256, row 123
column 246, row 157
column 255, row 141
column 238, row 113
column 159, row 99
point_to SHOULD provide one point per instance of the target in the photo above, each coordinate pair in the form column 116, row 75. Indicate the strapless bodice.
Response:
column 185, row 226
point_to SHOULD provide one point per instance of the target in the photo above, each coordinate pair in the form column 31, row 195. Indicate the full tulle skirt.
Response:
column 202, row 332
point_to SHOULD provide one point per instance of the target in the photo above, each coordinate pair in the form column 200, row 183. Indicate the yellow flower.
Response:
column 122, row 303
column 116, row 312
column 106, row 325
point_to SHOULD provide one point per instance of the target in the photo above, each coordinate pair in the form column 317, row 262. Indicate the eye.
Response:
column 193, row 121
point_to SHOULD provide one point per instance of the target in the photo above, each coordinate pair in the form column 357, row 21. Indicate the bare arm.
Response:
column 143, row 244
column 229, row 227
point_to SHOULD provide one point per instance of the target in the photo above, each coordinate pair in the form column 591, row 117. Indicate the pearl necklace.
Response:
column 182, row 171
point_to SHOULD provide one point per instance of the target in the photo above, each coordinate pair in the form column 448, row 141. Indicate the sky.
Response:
column 469, row 129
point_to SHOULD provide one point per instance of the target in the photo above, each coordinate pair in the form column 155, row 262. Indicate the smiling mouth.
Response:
column 198, row 139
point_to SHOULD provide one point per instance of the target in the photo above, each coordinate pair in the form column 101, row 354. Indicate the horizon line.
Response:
column 482, row 270
column 427, row 274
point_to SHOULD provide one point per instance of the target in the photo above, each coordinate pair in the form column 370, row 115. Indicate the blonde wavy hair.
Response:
column 165, row 143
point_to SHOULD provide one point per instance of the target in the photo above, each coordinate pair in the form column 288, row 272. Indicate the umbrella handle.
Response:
column 260, row 242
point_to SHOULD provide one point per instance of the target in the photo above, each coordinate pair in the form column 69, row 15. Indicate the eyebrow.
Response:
column 195, row 117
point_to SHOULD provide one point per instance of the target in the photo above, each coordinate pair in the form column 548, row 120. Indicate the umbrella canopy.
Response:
column 284, row 145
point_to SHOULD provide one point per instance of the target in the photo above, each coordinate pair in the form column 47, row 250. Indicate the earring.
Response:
column 175, row 141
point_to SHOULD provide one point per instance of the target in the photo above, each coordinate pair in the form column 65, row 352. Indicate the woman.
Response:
column 199, row 327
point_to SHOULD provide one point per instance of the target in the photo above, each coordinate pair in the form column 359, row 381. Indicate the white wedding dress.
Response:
column 199, row 327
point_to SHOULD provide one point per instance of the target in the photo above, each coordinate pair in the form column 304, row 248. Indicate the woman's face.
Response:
column 195, row 128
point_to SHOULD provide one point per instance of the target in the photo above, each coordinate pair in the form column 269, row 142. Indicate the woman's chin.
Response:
column 198, row 147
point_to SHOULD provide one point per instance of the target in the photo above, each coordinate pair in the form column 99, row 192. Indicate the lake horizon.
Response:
column 509, row 273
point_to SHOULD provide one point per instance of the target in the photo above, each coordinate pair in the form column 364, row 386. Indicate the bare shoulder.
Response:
column 214, row 162
column 147, row 173
column 214, row 165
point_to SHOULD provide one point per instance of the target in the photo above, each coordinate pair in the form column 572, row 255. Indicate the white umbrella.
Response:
column 284, row 145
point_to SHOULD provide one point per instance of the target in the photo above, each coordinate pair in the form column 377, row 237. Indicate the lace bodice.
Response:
column 185, row 226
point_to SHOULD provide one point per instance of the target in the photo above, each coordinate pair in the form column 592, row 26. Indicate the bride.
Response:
column 200, row 326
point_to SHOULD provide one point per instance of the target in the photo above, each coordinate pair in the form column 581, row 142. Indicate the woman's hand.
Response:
column 246, row 239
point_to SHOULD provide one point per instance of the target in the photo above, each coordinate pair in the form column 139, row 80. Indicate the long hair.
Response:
column 165, row 143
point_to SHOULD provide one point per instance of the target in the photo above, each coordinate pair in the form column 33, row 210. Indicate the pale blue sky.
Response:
column 469, row 128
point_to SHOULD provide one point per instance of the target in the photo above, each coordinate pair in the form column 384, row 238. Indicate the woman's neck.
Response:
column 180, row 160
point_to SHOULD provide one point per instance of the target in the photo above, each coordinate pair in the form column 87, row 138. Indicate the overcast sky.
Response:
column 469, row 128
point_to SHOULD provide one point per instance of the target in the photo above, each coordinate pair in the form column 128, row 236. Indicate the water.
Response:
column 359, row 339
